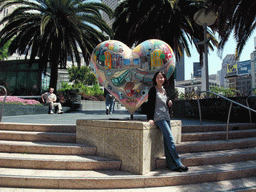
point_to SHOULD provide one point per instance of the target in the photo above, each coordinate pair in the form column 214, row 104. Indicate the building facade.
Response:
column 197, row 69
column 113, row 4
column 253, row 65
column 180, row 69
column 244, row 84
column 4, row 13
column 195, row 84
column 228, row 62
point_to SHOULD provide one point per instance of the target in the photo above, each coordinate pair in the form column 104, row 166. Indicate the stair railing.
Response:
column 2, row 106
column 229, row 112
column 249, row 106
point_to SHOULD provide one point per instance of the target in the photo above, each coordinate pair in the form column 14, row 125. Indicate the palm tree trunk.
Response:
column 54, row 64
column 54, row 76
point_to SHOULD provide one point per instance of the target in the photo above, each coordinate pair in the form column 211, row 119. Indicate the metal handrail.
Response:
column 249, row 106
column 3, row 102
column 230, row 107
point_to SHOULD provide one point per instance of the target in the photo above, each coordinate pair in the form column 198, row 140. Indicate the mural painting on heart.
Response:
column 127, row 73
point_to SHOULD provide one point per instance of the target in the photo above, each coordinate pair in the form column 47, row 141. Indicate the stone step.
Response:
column 218, row 135
column 244, row 184
column 69, row 179
column 46, row 148
column 60, row 162
column 38, row 127
column 213, row 157
column 217, row 127
column 216, row 145
column 37, row 136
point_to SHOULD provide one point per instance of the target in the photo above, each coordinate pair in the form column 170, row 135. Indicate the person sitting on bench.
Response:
column 50, row 100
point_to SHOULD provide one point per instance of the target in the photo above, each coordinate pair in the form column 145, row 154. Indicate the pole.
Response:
column 206, row 59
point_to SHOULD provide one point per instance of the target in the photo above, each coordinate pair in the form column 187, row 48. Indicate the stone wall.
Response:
column 95, row 105
column 136, row 143
column 13, row 110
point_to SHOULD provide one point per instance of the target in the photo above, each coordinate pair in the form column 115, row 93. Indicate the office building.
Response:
column 180, row 71
column 195, row 84
column 4, row 13
column 113, row 4
column 253, row 65
column 228, row 67
column 197, row 70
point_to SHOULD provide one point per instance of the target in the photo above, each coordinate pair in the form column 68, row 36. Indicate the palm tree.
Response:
column 170, row 21
column 54, row 30
column 237, row 15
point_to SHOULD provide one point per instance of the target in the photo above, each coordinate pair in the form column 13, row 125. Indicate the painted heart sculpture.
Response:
column 127, row 74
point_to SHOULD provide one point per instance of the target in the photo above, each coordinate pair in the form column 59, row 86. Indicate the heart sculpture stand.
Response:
column 127, row 73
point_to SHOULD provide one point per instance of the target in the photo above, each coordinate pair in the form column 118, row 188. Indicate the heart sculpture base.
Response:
column 127, row 74
column 136, row 143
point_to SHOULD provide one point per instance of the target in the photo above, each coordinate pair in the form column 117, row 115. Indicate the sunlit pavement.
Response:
column 70, row 118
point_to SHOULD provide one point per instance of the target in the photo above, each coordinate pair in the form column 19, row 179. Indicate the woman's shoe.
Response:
column 177, row 169
column 184, row 168
column 181, row 169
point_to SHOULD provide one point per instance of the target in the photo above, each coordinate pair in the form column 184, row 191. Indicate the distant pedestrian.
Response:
column 158, row 113
column 50, row 100
column 110, row 101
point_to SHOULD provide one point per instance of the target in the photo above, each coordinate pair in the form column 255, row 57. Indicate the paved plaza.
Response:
column 70, row 118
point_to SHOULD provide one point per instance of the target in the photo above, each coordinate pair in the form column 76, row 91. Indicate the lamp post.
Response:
column 205, row 19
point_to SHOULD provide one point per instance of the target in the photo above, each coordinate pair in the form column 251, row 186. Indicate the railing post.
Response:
column 229, row 112
column 250, row 115
column 3, row 102
column 199, row 108
column 230, row 107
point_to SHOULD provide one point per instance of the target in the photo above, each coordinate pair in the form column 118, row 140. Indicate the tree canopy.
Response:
column 170, row 21
column 238, row 16
column 4, row 51
column 81, row 75
column 54, row 30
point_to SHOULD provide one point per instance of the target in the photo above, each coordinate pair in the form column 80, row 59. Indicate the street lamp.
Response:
column 205, row 18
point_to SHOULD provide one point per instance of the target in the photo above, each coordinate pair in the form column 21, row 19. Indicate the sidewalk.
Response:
column 70, row 118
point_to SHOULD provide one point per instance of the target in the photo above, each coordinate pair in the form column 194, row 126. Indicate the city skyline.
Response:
column 214, row 62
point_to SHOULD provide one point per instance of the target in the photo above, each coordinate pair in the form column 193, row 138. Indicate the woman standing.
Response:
column 158, row 112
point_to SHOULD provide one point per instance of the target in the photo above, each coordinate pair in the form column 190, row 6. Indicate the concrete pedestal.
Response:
column 136, row 143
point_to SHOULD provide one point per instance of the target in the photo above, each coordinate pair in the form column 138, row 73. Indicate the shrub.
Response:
column 90, row 97
column 19, row 101
column 93, row 93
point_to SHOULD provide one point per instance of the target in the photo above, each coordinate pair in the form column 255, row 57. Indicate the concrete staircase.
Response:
column 47, row 157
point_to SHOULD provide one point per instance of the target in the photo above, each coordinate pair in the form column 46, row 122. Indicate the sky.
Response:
column 214, row 61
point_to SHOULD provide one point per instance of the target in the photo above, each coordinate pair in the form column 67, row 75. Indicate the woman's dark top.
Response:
column 152, row 102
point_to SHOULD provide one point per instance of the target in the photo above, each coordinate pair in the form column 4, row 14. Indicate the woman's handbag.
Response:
column 170, row 112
